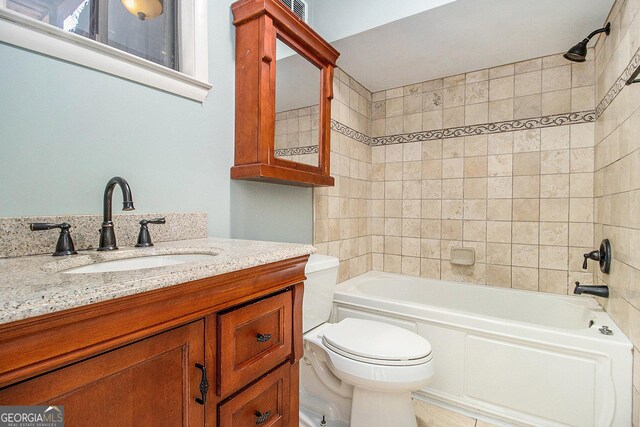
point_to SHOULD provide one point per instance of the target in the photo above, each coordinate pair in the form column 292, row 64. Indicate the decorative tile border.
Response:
column 351, row 133
column 296, row 151
column 429, row 135
column 488, row 128
column 619, row 84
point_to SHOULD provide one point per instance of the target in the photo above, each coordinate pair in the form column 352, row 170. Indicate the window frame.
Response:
column 190, row 82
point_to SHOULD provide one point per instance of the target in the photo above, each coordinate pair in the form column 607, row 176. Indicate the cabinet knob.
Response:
column 263, row 337
column 262, row 417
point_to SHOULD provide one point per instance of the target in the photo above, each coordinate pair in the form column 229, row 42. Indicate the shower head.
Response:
column 578, row 53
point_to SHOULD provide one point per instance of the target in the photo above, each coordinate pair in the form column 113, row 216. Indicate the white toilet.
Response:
column 373, row 364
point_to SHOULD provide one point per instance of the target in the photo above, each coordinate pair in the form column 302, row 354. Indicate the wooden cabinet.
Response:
column 148, row 383
column 216, row 351
column 259, row 24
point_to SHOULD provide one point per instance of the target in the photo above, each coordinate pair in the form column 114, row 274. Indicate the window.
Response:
column 163, row 41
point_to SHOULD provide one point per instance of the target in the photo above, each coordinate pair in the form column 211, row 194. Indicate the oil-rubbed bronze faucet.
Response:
column 107, row 235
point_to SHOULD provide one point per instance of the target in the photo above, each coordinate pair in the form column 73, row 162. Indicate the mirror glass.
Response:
column 297, row 112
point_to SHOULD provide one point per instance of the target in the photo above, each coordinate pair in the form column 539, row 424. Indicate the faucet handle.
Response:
column 65, row 243
column 144, row 238
column 153, row 221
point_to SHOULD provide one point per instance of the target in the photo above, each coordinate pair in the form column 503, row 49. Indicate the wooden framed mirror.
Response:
column 284, row 87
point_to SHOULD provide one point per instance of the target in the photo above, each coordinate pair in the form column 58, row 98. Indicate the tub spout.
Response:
column 599, row 290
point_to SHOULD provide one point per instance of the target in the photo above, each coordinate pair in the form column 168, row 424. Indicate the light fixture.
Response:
column 144, row 9
column 578, row 53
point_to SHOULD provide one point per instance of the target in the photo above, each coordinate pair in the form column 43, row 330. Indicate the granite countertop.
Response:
column 35, row 285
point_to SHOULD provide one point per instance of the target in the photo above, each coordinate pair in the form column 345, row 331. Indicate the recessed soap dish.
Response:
column 462, row 256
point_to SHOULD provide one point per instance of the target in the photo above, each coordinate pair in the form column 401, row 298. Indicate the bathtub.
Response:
column 520, row 357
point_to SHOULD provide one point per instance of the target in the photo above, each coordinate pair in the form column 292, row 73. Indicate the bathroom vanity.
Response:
column 214, row 342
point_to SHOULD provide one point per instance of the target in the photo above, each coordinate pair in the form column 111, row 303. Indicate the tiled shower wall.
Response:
column 523, row 199
column 342, row 214
column 498, row 164
column 617, row 173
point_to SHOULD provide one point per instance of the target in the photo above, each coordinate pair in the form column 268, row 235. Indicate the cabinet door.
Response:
column 153, row 382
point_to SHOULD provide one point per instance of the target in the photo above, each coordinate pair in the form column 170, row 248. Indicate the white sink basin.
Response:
column 140, row 263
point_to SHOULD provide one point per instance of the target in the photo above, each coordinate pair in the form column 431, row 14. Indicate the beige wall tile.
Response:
column 499, row 187
column 554, row 281
column 554, row 233
column 452, row 117
column 394, row 107
column 502, row 88
column 525, row 233
column 452, row 229
column 555, row 138
column 475, row 167
column 475, row 188
column 498, row 275
column 501, row 165
column 501, row 110
column 524, row 278
column 526, row 186
column 501, row 71
column 412, row 123
column 453, row 168
column 554, row 186
column 556, row 78
column 526, row 163
column 583, row 98
column 432, row 120
column 554, row 161
column 475, row 231
column 527, row 66
column 453, row 96
column 500, row 143
column 477, row 92
column 556, row 102
column 453, row 147
column 476, row 113
column 432, row 100
column 499, row 209
column 475, row 209
column 554, row 257
column 452, row 188
column 432, row 189
column 526, row 209
column 499, row 231
column 528, row 83
column 527, row 106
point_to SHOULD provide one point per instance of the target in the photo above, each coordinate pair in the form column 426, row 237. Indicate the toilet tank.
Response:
column 322, row 273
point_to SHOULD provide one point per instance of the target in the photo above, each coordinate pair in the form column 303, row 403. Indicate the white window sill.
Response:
column 40, row 37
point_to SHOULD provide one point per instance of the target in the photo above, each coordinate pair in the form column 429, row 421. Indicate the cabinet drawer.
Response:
column 252, row 340
column 265, row 403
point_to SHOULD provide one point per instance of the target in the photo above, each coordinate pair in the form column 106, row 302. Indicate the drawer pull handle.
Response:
column 263, row 337
column 204, row 385
column 261, row 418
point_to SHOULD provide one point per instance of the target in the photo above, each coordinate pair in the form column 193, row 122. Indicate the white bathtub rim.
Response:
column 347, row 293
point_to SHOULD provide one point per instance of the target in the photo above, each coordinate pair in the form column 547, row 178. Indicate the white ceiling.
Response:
column 463, row 36
column 391, row 44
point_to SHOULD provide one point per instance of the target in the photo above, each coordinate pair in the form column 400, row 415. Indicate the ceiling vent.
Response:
column 299, row 7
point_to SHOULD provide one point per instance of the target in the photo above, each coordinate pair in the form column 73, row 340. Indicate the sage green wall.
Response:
column 65, row 130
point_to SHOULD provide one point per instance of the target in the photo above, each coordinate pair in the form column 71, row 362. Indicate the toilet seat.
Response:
column 369, row 373
column 377, row 343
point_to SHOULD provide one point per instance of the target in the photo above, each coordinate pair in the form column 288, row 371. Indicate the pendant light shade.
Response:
column 144, row 9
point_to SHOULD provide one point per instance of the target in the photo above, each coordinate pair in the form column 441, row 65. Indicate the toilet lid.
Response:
column 377, row 342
